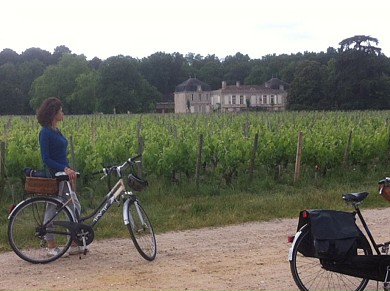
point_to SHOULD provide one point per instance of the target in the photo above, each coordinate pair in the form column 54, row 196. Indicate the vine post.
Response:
column 253, row 156
column 73, row 159
column 2, row 168
column 140, row 152
column 2, row 161
column 298, row 157
column 347, row 149
column 140, row 146
column 199, row 160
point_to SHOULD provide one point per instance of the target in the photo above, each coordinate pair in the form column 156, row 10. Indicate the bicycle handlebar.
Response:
column 118, row 169
column 385, row 180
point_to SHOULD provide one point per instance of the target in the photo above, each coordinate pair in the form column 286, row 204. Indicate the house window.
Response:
column 200, row 97
column 272, row 99
column 241, row 99
column 234, row 99
column 192, row 97
column 264, row 99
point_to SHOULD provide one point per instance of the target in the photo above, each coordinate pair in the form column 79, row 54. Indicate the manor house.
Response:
column 193, row 96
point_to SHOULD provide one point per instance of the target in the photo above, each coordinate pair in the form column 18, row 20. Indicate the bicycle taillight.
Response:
column 11, row 207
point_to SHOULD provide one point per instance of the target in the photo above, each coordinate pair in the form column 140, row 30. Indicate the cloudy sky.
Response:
column 139, row 28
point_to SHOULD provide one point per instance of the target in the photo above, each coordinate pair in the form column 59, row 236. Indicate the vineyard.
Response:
column 218, row 145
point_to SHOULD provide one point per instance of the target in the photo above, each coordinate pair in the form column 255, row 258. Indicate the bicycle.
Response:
column 28, row 226
column 330, row 251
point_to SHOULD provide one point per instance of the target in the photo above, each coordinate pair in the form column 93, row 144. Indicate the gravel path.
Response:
column 250, row 256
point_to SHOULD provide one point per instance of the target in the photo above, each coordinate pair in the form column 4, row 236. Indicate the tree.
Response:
column 360, row 43
column 59, row 51
column 9, row 56
column 95, row 63
column 361, row 73
column 59, row 80
column 123, row 87
column 28, row 71
column 84, row 98
column 11, row 101
column 236, row 68
column 211, row 71
column 164, row 71
column 307, row 89
column 37, row 53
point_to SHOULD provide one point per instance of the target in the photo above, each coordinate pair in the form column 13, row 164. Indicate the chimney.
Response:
column 238, row 84
column 223, row 84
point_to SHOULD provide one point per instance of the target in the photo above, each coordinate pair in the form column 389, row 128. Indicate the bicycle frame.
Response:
column 119, row 189
column 111, row 197
column 367, row 230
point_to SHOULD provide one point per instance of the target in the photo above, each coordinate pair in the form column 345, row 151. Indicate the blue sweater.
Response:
column 53, row 149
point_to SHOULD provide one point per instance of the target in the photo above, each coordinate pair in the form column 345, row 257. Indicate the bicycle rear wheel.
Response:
column 141, row 231
column 28, row 234
column 309, row 274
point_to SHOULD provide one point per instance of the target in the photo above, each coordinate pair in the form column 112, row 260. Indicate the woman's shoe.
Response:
column 55, row 251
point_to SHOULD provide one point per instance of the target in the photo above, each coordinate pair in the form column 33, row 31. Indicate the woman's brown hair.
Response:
column 47, row 111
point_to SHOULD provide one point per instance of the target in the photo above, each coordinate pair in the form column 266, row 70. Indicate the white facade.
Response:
column 231, row 98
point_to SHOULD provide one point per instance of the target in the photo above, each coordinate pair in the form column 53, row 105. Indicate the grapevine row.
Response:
column 169, row 142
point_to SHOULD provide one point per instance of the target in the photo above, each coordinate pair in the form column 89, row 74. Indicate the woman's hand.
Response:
column 71, row 173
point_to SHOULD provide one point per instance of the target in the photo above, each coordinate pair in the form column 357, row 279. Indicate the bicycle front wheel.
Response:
column 141, row 231
column 309, row 274
column 33, row 223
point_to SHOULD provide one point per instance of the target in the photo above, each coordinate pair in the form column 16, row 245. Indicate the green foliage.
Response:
column 356, row 76
column 170, row 143
column 182, row 205
column 59, row 80
column 122, row 88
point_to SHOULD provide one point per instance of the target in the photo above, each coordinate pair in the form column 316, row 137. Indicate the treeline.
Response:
column 355, row 76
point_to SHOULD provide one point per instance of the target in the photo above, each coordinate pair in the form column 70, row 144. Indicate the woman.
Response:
column 54, row 152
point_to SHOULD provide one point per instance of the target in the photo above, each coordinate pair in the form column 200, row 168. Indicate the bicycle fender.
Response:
column 125, row 208
column 296, row 236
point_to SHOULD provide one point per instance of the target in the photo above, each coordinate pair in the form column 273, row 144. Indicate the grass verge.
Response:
column 183, row 205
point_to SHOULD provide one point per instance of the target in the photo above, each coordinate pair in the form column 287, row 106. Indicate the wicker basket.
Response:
column 384, row 190
column 37, row 185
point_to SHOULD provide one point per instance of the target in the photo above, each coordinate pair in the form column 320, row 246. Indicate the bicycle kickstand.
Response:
column 386, row 283
column 85, row 249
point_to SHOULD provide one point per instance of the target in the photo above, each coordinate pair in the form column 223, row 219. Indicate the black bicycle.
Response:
column 29, row 224
column 331, row 252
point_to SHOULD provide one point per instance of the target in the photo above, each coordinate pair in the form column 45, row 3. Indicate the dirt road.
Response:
column 250, row 256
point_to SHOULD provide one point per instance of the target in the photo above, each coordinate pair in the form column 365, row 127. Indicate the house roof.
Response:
column 192, row 85
column 249, row 89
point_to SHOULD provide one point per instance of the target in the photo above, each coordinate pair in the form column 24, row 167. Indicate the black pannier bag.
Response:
column 334, row 233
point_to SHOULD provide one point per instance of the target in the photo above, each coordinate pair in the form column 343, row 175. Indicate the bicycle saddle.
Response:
column 62, row 176
column 355, row 197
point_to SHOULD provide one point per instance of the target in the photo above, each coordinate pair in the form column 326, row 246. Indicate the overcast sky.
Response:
column 139, row 28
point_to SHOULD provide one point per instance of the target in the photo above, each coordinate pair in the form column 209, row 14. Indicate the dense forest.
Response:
column 354, row 76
